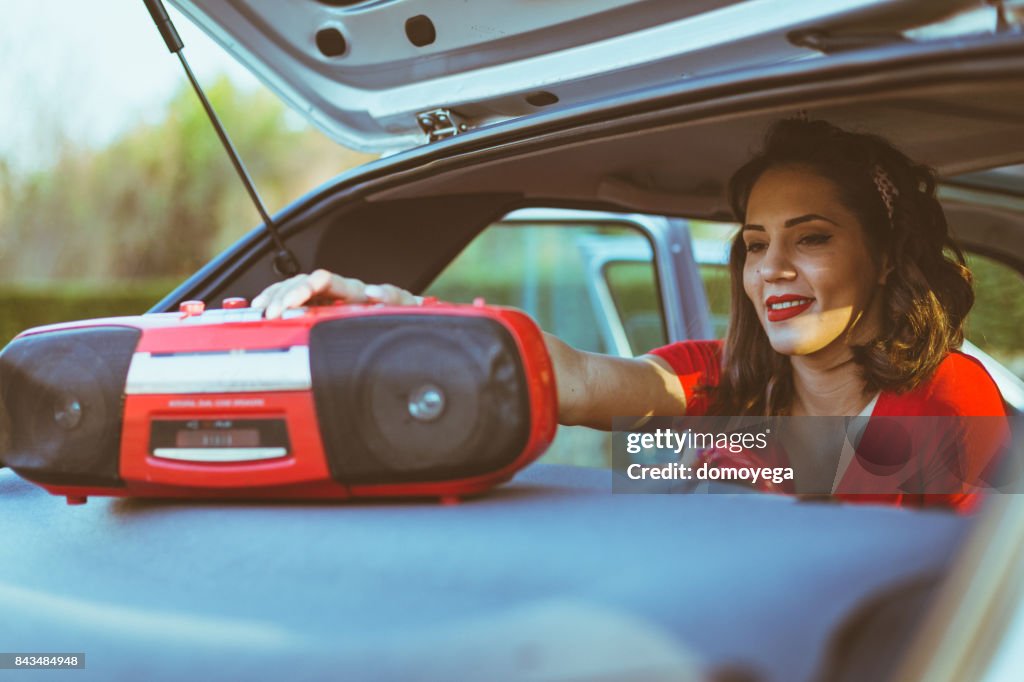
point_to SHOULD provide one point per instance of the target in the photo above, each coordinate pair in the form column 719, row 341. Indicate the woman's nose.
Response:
column 776, row 264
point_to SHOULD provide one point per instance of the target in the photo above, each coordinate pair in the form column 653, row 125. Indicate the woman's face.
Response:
column 808, row 269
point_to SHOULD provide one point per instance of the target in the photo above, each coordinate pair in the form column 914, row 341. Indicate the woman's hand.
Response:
column 324, row 286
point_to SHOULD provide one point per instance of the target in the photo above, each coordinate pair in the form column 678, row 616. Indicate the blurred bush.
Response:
column 162, row 198
column 997, row 318
column 22, row 307
column 110, row 231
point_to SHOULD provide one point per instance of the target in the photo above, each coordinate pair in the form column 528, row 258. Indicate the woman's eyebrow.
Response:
column 807, row 218
column 791, row 222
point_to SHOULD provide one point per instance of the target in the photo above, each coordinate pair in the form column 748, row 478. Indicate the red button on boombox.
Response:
column 342, row 401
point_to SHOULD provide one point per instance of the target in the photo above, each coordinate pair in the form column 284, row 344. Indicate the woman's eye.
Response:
column 755, row 247
column 815, row 239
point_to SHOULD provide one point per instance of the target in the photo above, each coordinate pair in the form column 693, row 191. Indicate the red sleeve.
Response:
column 960, row 387
column 696, row 363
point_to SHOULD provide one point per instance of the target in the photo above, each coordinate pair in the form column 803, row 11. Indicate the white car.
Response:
column 636, row 111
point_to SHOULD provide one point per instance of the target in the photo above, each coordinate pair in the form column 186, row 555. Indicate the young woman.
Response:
column 848, row 298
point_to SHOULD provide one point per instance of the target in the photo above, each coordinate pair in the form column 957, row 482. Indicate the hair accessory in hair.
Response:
column 887, row 189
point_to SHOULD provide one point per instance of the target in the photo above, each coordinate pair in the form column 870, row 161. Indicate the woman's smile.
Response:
column 784, row 307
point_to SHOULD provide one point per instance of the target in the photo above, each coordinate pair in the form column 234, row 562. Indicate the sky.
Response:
column 87, row 70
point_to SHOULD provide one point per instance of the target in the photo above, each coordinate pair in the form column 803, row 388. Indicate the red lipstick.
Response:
column 793, row 306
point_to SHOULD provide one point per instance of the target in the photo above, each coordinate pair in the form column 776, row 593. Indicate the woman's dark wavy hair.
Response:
column 926, row 296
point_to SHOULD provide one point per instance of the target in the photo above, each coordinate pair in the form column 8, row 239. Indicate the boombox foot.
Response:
column 449, row 500
column 77, row 499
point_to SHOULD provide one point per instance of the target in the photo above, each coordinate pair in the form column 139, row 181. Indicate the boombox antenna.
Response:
column 284, row 262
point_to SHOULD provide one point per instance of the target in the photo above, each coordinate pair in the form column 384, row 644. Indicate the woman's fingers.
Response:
column 390, row 294
column 324, row 285
column 275, row 298
column 264, row 296
column 292, row 293
column 296, row 294
column 338, row 287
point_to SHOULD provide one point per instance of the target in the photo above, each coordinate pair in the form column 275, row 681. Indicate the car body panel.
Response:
column 493, row 60
column 551, row 576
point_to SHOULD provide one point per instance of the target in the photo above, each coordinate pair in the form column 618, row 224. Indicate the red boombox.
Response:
column 342, row 401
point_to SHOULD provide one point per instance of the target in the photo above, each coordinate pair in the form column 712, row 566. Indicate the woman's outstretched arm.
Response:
column 592, row 388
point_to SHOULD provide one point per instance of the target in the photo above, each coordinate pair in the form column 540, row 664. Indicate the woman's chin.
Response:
column 807, row 334
column 790, row 346
column 797, row 344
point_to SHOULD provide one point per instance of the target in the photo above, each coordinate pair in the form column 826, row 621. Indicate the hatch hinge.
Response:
column 441, row 123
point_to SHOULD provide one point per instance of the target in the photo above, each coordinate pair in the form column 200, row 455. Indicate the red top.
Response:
column 959, row 387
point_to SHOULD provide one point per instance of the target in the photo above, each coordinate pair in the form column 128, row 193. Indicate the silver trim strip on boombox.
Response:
column 219, row 454
column 238, row 371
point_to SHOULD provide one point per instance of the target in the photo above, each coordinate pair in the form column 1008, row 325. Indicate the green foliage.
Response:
column 110, row 231
column 635, row 293
column 24, row 307
column 718, row 289
column 163, row 198
column 997, row 318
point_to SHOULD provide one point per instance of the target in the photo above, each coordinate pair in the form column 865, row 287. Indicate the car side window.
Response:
column 590, row 284
column 637, row 303
column 711, row 242
column 995, row 322
column 593, row 284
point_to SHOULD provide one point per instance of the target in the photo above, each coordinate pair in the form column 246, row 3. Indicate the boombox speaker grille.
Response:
column 61, row 399
column 418, row 397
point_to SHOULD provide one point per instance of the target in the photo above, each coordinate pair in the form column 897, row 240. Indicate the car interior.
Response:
column 669, row 157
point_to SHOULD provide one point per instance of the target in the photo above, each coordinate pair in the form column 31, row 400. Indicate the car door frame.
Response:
column 684, row 305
